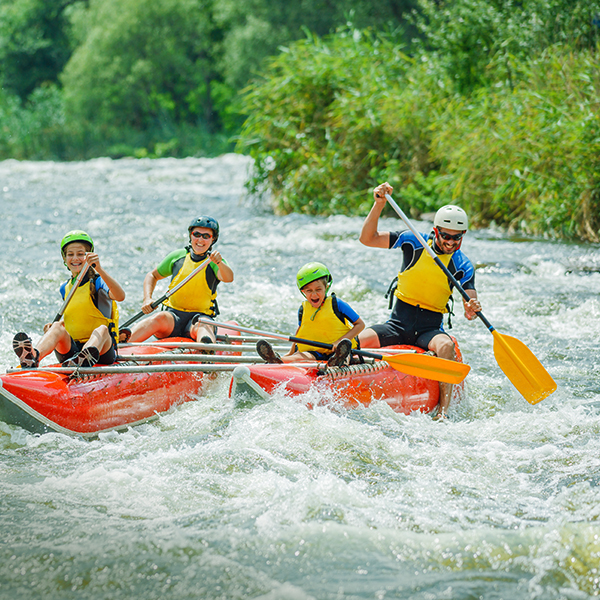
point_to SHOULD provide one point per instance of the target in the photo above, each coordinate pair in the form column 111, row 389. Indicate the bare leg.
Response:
column 100, row 339
column 369, row 339
column 161, row 325
column 443, row 346
column 200, row 331
column 298, row 357
column 55, row 338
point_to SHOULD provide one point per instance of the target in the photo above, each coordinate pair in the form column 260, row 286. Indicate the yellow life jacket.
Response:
column 322, row 324
column 195, row 295
column 425, row 284
column 82, row 316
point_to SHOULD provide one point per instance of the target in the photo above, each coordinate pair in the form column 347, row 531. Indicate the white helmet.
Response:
column 451, row 217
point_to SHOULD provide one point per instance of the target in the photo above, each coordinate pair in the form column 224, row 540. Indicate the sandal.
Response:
column 440, row 416
column 206, row 339
column 266, row 352
column 29, row 357
column 341, row 353
column 88, row 357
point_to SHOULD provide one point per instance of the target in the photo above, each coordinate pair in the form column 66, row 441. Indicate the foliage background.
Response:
column 492, row 104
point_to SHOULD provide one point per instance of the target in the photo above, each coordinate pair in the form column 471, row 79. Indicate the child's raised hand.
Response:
column 92, row 259
column 216, row 257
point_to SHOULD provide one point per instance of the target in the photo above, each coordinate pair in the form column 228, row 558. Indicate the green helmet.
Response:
column 76, row 236
column 311, row 272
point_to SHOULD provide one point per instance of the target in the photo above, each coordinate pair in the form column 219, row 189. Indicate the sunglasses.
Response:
column 448, row 236
column 204, row 236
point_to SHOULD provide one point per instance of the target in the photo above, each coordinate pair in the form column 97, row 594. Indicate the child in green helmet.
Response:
column 87, row 332
column 321, row 318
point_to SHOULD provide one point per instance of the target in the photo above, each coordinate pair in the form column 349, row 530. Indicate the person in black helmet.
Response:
column 197, row 298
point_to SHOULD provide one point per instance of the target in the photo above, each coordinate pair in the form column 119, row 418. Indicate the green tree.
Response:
column 143, row 64
column 35, row 42
column 479, row 41
column 254, row 29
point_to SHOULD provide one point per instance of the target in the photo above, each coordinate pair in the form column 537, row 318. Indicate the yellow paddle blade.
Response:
column 523, row 369
column 428, row 367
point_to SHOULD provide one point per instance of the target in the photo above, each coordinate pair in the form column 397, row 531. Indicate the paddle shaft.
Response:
column 419, row 365
column 167, row 294
column 289, row 338
column 72, row 291
column 436, row 258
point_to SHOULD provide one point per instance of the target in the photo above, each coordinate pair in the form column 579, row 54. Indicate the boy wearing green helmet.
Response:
column 321, row 318
column 197, row 298
column 87, row 333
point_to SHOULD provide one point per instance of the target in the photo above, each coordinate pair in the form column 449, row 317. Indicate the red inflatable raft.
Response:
column 102, row 398
column 351, row 387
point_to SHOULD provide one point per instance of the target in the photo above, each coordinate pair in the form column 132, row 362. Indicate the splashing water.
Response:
column 280, row 502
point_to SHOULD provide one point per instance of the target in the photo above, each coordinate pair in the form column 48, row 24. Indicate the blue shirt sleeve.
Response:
column 464, row 271
column 348, row 312
column 100, row 285
column 397, row 238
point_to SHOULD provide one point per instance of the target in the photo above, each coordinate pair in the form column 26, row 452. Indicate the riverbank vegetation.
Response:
column 493, row 104
column 83, row 78
column 497, row 108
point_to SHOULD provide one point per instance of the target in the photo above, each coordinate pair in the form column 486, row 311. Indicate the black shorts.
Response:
column 410, row 325
column 184, row 321
column 108, row 358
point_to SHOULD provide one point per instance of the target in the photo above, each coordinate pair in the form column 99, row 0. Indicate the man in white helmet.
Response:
column 423, row 290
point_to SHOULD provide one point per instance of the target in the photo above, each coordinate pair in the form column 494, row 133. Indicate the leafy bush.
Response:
column 315, row 125
column 529, row 157
column 476, row 41
column 517, row 144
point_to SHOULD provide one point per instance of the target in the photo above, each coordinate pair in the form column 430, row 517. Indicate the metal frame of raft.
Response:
column 86, row 402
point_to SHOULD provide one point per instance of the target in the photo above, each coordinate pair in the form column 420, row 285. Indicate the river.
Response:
column 279, row 502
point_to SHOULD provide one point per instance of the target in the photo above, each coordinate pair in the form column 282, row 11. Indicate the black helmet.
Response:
column 207, row 222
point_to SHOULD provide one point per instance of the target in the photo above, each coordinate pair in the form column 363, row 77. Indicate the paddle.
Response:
column 164, row 296
column 170, row 368
column 201, row 346
column 179, row 357
column 72, row 291
column 517, row 361
column 419, row 365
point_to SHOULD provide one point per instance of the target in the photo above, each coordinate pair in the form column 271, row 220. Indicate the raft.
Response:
column 350, row 387
column 103, row 398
